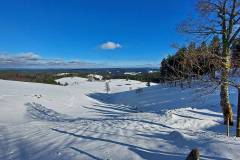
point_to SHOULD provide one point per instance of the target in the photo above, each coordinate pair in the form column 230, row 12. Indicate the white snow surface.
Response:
column 80, row 122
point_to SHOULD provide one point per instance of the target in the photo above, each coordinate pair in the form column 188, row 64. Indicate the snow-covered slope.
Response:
column 81, row 121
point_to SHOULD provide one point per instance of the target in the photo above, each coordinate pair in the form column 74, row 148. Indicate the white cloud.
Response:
column 110, row 46
column 30, row 59
column 29, row 56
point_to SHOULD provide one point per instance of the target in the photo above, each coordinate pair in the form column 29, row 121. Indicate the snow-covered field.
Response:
column 80, row 121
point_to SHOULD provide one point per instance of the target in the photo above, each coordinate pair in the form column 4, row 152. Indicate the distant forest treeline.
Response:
column 50, row 77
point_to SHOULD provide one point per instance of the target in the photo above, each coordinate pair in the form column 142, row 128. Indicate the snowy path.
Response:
column 81, row 122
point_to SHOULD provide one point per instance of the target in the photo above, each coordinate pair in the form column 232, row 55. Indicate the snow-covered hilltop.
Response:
column 81, row 121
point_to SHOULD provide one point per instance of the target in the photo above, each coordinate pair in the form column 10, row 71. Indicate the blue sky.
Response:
column 89, row 33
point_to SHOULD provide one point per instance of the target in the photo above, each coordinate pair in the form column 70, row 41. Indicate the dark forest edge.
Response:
column 49, row 76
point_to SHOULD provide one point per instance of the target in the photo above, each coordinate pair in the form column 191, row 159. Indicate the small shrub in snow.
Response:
column 193, row 155
column 148, row 84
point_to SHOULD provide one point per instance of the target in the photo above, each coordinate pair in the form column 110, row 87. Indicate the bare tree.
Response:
column 222, row 18
column 107, row 87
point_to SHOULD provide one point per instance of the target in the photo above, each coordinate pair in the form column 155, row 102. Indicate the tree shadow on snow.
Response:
column 143, row 152
column 219, row 128
column 175, row 138
column 86, row 153
column 109, row 110
column 208, row 114
column 156, row 98
column 147, row 153
column 39, row 112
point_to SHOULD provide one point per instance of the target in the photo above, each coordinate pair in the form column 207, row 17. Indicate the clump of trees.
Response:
column 192, row 61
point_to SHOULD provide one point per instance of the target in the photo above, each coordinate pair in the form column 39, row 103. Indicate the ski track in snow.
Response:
column 82, row 122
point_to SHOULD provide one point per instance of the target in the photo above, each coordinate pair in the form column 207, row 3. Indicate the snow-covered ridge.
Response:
column 132, row 73
column 62, row 74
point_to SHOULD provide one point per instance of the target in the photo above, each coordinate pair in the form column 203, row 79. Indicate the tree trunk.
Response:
column 238, row 115
column 224, row 94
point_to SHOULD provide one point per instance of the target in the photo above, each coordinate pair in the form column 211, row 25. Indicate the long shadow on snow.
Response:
column 168, row 98
column 148, row 155
column 191, row 117
column 177, row 139
column 156, row 98
column 103, row 112
column 207, row 114
column 117, row 107
column 219, row 128
column 86, row 153
column 145, row 153
column 39, row 112
column 152, row 154
column 111, row 110
column 25, row 149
